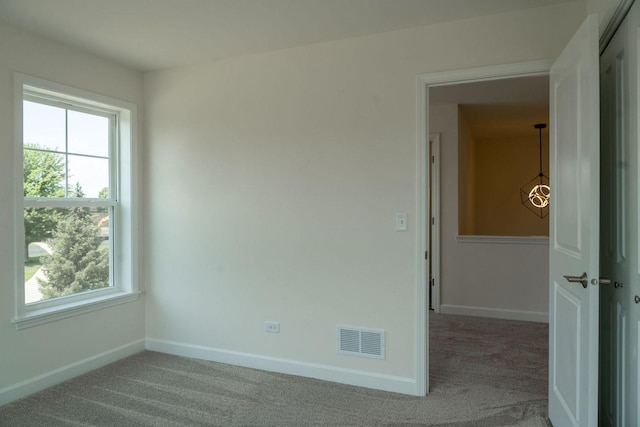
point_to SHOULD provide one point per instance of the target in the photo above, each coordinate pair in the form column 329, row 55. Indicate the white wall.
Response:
column 273, row 181
column 41, row 355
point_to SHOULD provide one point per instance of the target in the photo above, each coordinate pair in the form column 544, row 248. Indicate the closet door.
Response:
column 619, row 312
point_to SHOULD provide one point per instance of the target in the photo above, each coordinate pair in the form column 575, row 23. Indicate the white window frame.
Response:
column 123, row 231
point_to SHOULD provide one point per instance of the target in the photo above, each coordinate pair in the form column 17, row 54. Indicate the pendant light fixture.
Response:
column 536, row 194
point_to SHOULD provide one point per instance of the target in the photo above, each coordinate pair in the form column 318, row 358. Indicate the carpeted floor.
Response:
column 484, row 372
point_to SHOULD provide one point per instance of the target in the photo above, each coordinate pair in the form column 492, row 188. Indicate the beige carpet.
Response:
column 484, row 372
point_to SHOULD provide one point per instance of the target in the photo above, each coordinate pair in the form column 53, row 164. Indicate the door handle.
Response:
column 578, row 279
column 605, row 281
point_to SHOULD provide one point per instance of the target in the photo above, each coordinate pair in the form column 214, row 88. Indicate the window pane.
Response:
column 88, row 134
column 44, row 174
column 68, row 251
column 44, row 126
column 88, row 176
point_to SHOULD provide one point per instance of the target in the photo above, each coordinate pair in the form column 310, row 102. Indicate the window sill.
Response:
column 513, row 240
column 52, row 314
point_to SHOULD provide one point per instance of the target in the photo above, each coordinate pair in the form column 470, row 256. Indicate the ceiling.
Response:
column 157, row 34
column 505, row 108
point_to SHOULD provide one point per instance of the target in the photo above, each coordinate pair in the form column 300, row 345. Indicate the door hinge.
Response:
column 426, row 255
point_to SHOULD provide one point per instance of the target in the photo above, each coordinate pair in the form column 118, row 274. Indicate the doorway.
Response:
column 491, row 149
column 426, row 83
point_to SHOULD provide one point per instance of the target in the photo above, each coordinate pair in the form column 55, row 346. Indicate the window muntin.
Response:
column 102, row 163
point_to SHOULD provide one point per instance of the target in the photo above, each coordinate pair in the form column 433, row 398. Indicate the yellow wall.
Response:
column 501, row 167
column 466, row 182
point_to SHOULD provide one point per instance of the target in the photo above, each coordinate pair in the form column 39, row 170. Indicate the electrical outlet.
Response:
column 272, row 327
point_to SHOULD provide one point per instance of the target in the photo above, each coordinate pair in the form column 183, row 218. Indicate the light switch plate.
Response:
column 401, row 222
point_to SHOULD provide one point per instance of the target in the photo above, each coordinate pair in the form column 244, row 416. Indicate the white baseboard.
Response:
column 51, row 378
column 287, row 366
column 497, row 313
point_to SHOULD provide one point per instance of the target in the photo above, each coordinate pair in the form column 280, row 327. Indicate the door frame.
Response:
column 434, row 227
column 423, row 82
column 615, row 20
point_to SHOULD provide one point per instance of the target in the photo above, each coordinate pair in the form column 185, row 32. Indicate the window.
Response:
column 76, row 214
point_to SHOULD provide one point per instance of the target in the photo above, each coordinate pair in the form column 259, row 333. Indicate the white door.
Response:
column 619, row 243
column 614, row 248
column 574, row 231
column 434, row 222
column 620, row 315
column 628, row 297
column 614, row 217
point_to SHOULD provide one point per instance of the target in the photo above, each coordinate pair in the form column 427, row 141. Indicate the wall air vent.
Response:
column 361, row 342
